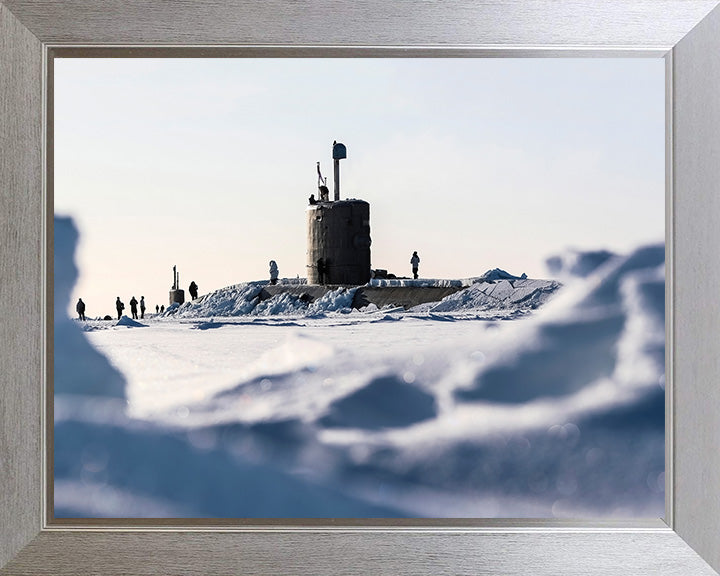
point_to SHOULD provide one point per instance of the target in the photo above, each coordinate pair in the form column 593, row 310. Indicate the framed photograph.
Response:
column 350, row 536
column 323, row 369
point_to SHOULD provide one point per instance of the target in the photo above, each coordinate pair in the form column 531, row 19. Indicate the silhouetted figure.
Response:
column 321, row 181
column 142, row 306
column 312, row 200
column 193, row 288
column 415, row 261
column 162, row 308
column 133, row 307
column 119, row 306
column 80, row 307
column 273, row 272
column 157, row 309
column 321, row 268
column 324, row 193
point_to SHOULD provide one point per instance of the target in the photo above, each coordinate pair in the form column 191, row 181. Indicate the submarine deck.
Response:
column 405, row 296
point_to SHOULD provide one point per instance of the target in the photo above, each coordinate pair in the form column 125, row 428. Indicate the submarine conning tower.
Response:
column 177, row 295
column 338, row 234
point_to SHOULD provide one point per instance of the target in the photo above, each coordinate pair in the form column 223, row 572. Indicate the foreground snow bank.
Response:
column 383, row 413
column 78, row 368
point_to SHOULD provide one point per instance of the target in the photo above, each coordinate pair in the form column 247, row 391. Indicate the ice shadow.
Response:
column 385, row 402
column 212, row 482
column 572, row 356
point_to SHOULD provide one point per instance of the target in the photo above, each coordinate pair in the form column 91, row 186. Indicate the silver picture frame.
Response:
column 686, row 33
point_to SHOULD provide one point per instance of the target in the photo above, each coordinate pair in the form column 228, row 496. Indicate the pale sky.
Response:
column 207, row 164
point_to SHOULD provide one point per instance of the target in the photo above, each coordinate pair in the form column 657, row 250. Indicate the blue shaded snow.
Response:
column 560, row 414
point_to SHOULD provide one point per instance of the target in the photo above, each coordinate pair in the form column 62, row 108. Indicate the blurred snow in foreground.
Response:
column 235, row 408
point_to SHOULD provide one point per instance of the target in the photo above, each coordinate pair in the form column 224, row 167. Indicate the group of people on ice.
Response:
column 134, row 305
column 120, row 306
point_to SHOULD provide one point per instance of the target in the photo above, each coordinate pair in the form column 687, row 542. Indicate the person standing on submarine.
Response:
column 322, row 269
column 415, row 261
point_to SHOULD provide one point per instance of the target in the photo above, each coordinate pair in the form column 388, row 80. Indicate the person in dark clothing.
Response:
column 193, row 290
column 312, row 200
column 80, row 307
column 120, row 307
column 157, row 308
column 321, row 268
column 133, row 308
column 142, row 306
column 415, row 261
column 162, row 308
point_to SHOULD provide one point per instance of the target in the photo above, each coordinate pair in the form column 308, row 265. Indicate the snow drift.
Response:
column 500, row 294
column 337, row 413
column 496, row 290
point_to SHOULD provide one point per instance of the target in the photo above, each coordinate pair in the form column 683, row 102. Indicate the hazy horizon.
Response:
column 474, row 163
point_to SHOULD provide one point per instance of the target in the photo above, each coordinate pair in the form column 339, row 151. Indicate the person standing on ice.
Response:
column 415, row 261
column 157, row 308
column 133, row 308
column 193, row 290
column 80, row 307
column 119, row 306
column 273, row 272
column 142, row 306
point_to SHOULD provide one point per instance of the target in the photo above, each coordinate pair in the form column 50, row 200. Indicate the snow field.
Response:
column 229, row 409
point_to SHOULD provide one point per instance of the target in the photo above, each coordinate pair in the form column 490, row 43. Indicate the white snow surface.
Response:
column 130, row 323
column 244, row 300
column 231, row 407
column 504, row 294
